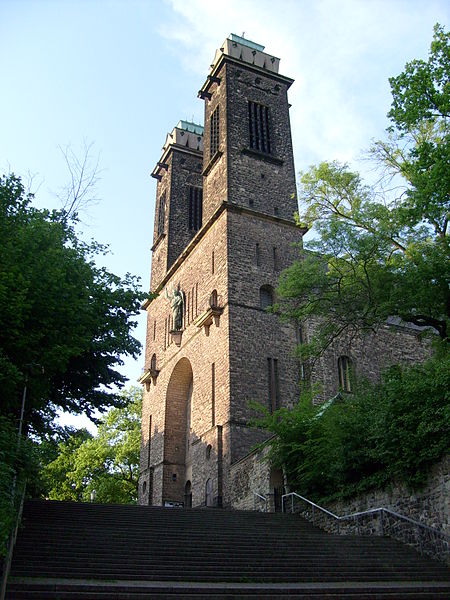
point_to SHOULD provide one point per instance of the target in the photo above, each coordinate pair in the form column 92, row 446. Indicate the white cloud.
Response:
column 340, row 52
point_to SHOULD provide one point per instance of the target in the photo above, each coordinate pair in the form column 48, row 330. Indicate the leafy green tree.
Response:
column 385, row 433
column 418, row 146
column 379, row 253
column 107, row 463
column 65, row 323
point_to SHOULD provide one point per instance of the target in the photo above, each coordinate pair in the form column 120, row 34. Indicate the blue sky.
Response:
column 120, row 74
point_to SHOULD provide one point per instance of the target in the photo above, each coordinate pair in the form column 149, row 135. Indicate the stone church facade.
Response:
column 224, row 230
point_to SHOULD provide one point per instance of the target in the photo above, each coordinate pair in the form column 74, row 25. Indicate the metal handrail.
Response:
column 372, row 511
column 364, row 512
column 261, row 497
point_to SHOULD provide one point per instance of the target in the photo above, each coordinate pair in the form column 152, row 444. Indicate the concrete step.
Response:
column 65, row 589
column 70, row 550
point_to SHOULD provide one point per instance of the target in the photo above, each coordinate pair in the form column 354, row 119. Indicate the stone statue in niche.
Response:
column 176, row 297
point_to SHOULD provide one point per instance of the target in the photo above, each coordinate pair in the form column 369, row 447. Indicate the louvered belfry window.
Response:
column 259, row 127
column 214, row 132
column 195, row 208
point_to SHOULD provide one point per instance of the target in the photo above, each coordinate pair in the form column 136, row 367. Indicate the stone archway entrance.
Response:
column 277, row 488
column 177, row 433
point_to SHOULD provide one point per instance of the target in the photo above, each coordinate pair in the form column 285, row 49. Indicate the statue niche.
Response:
column 177, row 302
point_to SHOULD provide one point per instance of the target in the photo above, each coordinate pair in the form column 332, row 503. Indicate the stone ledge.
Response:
column 262, row 156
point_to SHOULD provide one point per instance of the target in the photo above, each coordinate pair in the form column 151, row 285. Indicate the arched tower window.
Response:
column 153, row 363
column 345, row 373
column 265, row 296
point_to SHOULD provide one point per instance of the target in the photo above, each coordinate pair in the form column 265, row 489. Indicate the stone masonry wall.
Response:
column 198, row 280
column 370, row 354
column 248, row 475
column 263, row 182
column 160, row 242
column 429, row 505
column 215, row 181
column 255, row 335
column 186, row 172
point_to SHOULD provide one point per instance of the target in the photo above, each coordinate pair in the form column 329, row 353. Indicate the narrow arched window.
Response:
column 214, row 133
column 345, row 373
column 214, row 299
column 153, row 363
column 265, row 296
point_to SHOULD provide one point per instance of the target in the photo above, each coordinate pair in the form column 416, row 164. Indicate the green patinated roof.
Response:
column 240, row 40
column 192, row 127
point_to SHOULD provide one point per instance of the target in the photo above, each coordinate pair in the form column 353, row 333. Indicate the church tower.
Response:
column 224, row 230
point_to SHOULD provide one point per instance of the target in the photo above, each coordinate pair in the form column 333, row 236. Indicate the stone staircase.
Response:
column 72, row 550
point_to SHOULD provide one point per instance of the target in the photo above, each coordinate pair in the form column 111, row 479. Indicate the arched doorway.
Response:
column 209, row 499
column 188, row 495
column 277, row 488
column 177, row 432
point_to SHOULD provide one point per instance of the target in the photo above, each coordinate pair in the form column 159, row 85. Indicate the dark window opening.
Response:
column 214, row 146
column 265, row 296
column 161, row 214
column 274, row 384
column 345, row 373
column 195, row 208
column 259, row 127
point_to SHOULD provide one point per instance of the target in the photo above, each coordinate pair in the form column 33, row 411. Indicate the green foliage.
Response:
column 378, row 254
column 107, row 463
column 383, row 433
column 16, row 466
column 64, row 321
column 418, row 146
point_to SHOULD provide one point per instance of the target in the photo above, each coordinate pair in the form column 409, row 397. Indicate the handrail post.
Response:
column 292, row 504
